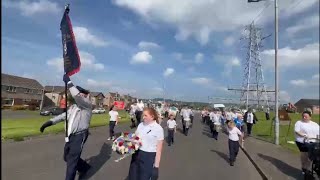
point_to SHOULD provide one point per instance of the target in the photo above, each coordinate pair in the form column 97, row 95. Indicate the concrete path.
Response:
column 193, row 157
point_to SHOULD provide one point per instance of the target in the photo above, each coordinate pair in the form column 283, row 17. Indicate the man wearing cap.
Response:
column 79, row 117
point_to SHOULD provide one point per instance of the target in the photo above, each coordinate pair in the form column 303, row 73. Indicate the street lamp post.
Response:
column 276, row 68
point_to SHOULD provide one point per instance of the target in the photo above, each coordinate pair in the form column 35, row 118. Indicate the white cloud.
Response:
column 87, row 62
column 229, row 41
column 198, row 19
column 230, row 62
column 307, row 56
column 177, row 56
column 201, row 81
column 304, row 24
column 298, row 82
column 298, row 7
column 314, row 81
column 33, row 8
column 83, row 36
column 284, row 96
column 158, row 89
column 199, row 58
column 143, row 57
column 98, row 84
column 168, row 72
column 148, row 45
column 316, row 77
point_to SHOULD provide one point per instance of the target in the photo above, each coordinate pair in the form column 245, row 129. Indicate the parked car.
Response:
column 98, row 111
column 51, row 111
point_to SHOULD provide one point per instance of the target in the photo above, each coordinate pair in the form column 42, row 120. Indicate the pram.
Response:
column 313, row 145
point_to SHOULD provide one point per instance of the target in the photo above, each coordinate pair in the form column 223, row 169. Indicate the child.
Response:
column 233, row 142
column 172, row 125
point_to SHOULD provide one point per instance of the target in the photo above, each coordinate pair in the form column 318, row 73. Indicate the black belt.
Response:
column 79, row 132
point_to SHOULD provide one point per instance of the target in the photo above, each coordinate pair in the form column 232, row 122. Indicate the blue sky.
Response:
column 187, row 50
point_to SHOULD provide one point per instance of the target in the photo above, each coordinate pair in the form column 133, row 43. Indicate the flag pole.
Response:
column 66, row 88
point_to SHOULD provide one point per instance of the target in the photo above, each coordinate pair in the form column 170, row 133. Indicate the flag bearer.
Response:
column 79, row 117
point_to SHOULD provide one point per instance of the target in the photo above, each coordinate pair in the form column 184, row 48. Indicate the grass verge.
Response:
column 18, row 129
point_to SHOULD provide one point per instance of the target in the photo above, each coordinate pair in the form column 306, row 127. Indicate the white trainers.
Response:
column 109, row 139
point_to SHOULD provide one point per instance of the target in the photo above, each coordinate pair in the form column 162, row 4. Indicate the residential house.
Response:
column 17, row 90
column 313, row 104
column 97, row 99
column 53, row 95
column 110, row 98
column 128, row 99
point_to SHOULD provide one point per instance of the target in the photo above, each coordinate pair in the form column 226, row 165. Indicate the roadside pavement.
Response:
column 276, row 162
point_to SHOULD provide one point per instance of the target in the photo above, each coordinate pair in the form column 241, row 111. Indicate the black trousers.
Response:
column 211, row 125
column 267, row 116
column 141, row 165
column 170, row 136
column 183, row 125
column 233, row 149
column 72, row 155
column 191, row 117
column 249, row 128
column 138, row 116
column 133, row 122
column 112, row 124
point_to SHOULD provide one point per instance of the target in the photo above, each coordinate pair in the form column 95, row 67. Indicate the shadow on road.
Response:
column 99, row 160
column 222, row 155
column 282, row 166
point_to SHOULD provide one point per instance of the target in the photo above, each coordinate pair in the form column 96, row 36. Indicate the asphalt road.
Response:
column 193, row 157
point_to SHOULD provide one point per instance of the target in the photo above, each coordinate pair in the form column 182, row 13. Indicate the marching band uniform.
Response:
column 139, row 111
column 79, row 117
column 132, row 113
column 142, row 162
column 186, row 113
column 171, row 124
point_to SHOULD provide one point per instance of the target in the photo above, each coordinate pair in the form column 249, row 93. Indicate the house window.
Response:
column 11, row 89
column 8, row 101
column 28, row 91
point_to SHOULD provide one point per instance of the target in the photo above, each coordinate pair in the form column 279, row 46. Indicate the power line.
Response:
column 262, row 10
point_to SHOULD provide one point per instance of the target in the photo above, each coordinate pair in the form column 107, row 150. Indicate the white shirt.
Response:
column 216, row 119
column 140, row 106
column 113, row 115
column 171, row 123
column 186, row 114
column 150, row 135
column 133, row 109
column 229, row 116
column 311, row 129
column 250, row 118
column 234, row 134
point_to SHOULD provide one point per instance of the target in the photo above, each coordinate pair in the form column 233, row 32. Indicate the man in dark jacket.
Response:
column 250, row 118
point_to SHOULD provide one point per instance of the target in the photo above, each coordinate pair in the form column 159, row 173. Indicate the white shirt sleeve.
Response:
column 239, row 132
column 297, row 127
column 160, row 135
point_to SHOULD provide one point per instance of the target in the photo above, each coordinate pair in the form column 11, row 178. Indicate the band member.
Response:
column 139, row 110
column 191, row 116
column 233, row 142
column 114, row 119
column 250, row 119
column 172, row 128
column 79, row 117
column 145, row 162
column 132, row 113
column 186, row 113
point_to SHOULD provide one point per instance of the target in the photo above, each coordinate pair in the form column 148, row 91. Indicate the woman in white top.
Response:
column 233, row 142
column 305, row 129
column 114, row 118
column 145, row 162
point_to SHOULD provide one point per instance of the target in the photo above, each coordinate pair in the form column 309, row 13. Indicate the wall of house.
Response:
column 316, row 110
column 99, row 100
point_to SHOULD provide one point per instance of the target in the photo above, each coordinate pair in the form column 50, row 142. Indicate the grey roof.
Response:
column 10, row 80
column 308, row 102
column 94, row 94
column 56, row 89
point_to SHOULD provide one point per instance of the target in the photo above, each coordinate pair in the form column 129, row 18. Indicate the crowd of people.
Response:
column 145, row 162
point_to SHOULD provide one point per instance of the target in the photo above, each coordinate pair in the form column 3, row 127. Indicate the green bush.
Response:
column 18, row 107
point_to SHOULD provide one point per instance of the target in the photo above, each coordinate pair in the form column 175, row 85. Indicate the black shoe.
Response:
column 169, row 144
column 231, row 163
column 83, row 174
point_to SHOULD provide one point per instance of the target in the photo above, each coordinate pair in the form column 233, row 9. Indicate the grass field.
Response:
column 17, row 129
column 265, row 130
